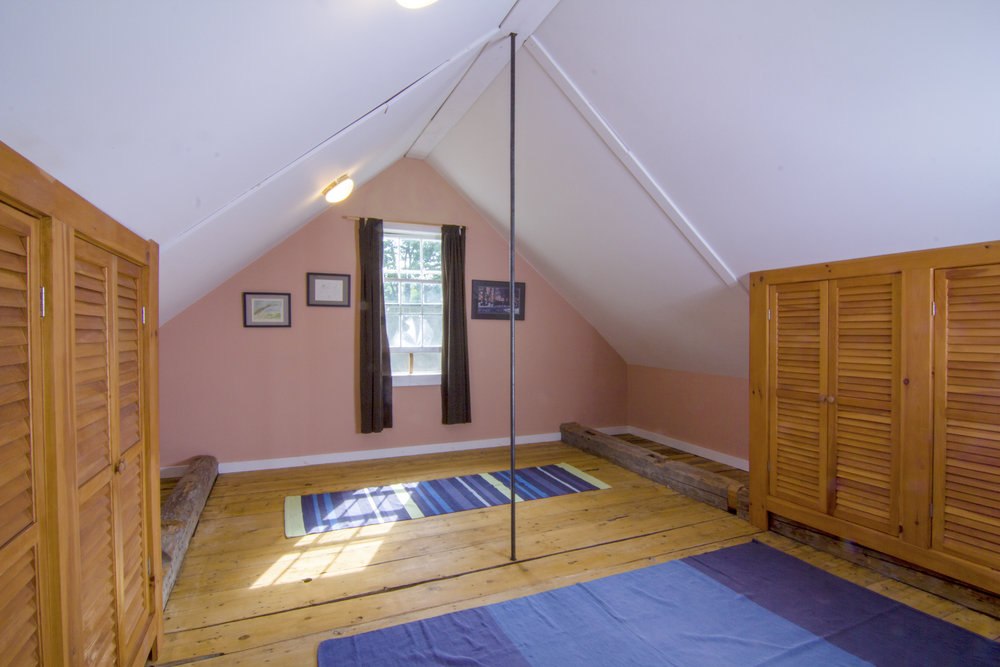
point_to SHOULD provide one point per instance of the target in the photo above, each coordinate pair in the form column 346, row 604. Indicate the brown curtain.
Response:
column 376, row 375
column 455, row 403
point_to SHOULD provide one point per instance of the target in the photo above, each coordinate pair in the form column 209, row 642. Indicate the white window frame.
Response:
column 424, row 232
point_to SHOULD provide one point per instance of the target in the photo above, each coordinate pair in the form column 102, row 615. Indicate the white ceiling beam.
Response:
column 630, row 161
column 523, row 18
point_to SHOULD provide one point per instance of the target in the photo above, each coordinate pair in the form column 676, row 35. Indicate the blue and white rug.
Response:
column 323, row 512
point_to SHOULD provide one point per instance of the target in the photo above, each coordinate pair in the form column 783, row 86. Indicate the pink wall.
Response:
column 711, row 411
column 250, row 394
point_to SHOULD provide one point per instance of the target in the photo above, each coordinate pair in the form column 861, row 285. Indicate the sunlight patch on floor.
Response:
column 358, row 547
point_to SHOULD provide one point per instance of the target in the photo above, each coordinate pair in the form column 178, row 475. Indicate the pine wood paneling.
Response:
column 798, row 386
column 967, row 433
column 864, row 451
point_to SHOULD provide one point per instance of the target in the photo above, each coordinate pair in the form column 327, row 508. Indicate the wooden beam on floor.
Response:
column 702, row 485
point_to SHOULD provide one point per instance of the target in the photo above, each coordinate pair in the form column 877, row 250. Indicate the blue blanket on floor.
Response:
column 745, row 605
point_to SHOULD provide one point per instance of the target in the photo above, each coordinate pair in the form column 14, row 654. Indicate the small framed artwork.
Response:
column 491, row 300
column 328, row 289
column 267, row 309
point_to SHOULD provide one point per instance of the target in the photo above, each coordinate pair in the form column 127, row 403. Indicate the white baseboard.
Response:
column 704, row 452
column 366, row 455
column 446, row 447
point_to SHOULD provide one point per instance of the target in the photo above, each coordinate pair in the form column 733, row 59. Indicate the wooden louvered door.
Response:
column 966, row 519
column 135, row 599
column 799, row 329
column 864, row 400
column 21, row 463
column 94, row 455
column 116, row 590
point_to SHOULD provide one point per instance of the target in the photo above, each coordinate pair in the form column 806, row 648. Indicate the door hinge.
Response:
column 144, row 314
column 932, row 510
column 933, row 308
column 43, row 301
column 768, row 314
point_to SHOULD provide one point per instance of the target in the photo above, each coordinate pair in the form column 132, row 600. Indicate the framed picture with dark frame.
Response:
column 267, row 309
column 491, row 300
column 328, row 289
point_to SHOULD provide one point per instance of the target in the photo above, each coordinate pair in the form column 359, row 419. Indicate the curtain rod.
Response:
column 401, row 222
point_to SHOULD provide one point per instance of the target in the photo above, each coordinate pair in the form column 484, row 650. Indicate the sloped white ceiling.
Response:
column 665, row 148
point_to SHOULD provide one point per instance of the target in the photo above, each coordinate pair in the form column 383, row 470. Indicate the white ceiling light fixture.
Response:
column 415, row 4
column 339, row 190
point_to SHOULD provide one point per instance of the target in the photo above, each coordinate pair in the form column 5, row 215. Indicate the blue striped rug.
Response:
column 323, row 512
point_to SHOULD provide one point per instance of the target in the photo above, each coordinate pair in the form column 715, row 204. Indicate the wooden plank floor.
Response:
column 246, row 595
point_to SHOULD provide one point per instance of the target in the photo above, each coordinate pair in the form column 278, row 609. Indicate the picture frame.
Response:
column 491, row 300
column 328, row 289
column 267, row 309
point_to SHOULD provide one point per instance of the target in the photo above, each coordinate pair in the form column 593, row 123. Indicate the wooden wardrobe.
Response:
column 79, row 477
column 875, row 405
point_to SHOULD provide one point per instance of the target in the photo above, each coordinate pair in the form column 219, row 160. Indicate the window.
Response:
column 411, row 277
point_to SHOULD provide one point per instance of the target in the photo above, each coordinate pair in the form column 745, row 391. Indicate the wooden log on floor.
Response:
column 891, row 567
column 180, row 513
column 707, row 487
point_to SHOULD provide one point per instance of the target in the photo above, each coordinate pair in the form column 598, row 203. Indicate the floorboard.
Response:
column 246, row 595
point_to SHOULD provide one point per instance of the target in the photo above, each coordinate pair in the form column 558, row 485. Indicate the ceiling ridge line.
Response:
column 628, row 159
column 523, row 18
column 480, row 43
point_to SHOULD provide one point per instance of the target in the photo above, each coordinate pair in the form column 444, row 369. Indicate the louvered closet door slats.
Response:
column 798, row 336
column 90, row 360
column 100, row 619
column 865, row 443
column 967, row 421
column 20, row 642
column 16, row 494
column 136, row 603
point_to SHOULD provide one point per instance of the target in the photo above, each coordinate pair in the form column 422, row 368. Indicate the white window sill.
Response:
column 416, row 380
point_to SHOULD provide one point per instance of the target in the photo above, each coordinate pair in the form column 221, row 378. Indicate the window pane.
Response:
column 409, row 331
column 388, row 255
column 399, row 362
column 426, row 362
column 409, row 254
column 432, row 330
column 392, row 325
column 391, row 292
column 409, row 292
column 431, row 255
column 432, row 293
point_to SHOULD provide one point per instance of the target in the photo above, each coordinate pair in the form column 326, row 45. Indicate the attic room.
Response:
column 754, row 409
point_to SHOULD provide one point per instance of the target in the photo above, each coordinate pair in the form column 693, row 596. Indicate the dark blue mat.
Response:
column 745, row 605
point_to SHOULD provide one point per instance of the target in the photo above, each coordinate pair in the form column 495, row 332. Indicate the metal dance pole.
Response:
column 513, row 456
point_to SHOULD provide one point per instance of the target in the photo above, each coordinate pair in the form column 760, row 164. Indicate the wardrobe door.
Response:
column 136, row 595
column 966, row 510
column 864, row 401
column 21, row 464
column 798, row 332
column 92, row 420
